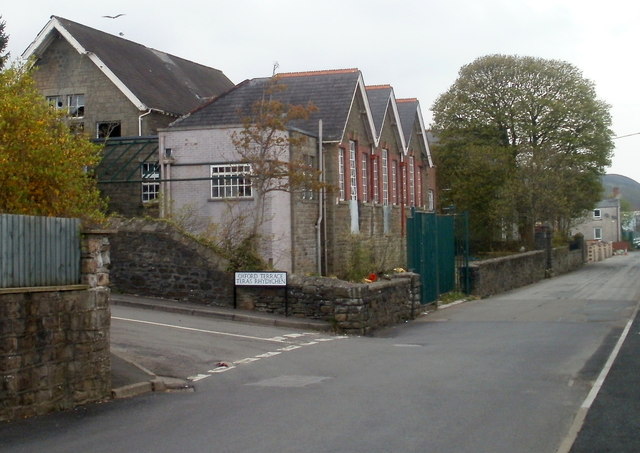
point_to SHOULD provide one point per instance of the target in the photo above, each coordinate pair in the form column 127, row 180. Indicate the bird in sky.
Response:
column 113, row 17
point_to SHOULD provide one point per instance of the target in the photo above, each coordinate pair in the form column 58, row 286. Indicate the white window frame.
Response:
column 108, row 127
column 394, row 181
column 231, row 181
column 150, row 190
column 412, row 181
column 72, row 103
column 597, row 234
column 75, row 105
column 56, row 101
column 597, row 214
column 376, row 182
column 353, row 170
column 341, row 174
column 385, row 177
column 364, row 177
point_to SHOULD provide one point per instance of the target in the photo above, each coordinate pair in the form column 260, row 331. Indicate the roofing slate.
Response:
column 408, row 112
column 160, row 80
column 331, row 92
column 379, row 98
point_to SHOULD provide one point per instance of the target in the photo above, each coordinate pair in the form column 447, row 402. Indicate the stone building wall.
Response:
column 305, row 214
column 64, row 71
column 54, row 341
column 381, row 228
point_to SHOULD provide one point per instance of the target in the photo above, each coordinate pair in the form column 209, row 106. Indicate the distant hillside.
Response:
column 629, row 189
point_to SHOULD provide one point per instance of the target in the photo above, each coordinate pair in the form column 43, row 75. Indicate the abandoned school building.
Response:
column 167, row 126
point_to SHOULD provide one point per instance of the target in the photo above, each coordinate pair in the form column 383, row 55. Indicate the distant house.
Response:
column 604, row 223
column 111, row 88
column 373, row 154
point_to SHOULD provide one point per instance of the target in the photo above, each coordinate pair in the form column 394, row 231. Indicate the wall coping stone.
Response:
column 44, row 289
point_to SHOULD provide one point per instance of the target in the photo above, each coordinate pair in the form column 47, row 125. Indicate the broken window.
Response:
column 72, row 103
column 55, row 101
column 108, row 129
column 75, row 103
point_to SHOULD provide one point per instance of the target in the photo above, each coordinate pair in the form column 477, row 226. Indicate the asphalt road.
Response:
column 503, row 374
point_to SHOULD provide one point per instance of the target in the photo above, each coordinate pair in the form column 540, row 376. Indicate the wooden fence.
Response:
column 39, row 251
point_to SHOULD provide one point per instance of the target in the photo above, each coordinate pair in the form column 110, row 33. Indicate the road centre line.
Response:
column 213, row 332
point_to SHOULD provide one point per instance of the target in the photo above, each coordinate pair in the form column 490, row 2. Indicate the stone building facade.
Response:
column 373, row 175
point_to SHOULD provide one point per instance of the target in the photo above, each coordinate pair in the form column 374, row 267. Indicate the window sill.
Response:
column 230, row 199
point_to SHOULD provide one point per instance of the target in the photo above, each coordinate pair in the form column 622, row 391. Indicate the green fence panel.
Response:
column 446, row 254
column 39, row 251
column 431, row 252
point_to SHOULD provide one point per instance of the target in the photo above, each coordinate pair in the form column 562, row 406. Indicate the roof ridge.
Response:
column 319, row 72
column 407, row 100
column 378, row 87
column 129, row 41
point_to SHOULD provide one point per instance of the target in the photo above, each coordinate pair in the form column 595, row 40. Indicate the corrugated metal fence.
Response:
column 39, row 251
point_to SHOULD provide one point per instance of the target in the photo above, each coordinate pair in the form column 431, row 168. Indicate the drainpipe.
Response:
column 140, row 122
column 320, row 200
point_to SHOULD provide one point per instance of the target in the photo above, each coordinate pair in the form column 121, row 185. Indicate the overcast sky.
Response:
column 417, row 46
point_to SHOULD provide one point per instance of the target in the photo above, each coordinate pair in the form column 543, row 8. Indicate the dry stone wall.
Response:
column 153, row 258
column 352, row 308
column 497, row 275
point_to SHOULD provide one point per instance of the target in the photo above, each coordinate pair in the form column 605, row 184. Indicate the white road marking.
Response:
column 290, row 348
column 221, row 369
column 268, row 354
column 578, row 421
column 213, row 332
column 199, row 377
column 247, row 360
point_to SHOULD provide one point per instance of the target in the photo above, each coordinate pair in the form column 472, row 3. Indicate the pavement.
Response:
column 130, row 379
column 610, row 422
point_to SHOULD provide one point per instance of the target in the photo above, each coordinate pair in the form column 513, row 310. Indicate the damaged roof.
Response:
column 151, row 79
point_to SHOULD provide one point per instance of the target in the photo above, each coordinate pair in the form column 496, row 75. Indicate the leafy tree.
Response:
column 43, row 166
column 4, row 41
column 540, row 123
column 265, row 142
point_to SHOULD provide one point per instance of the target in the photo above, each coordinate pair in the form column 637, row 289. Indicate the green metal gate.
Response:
column 435, row 246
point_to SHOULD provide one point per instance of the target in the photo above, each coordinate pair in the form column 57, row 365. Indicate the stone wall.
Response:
column 352, row 308
column 497, row 275
column 153, row 258
column 54, row 341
